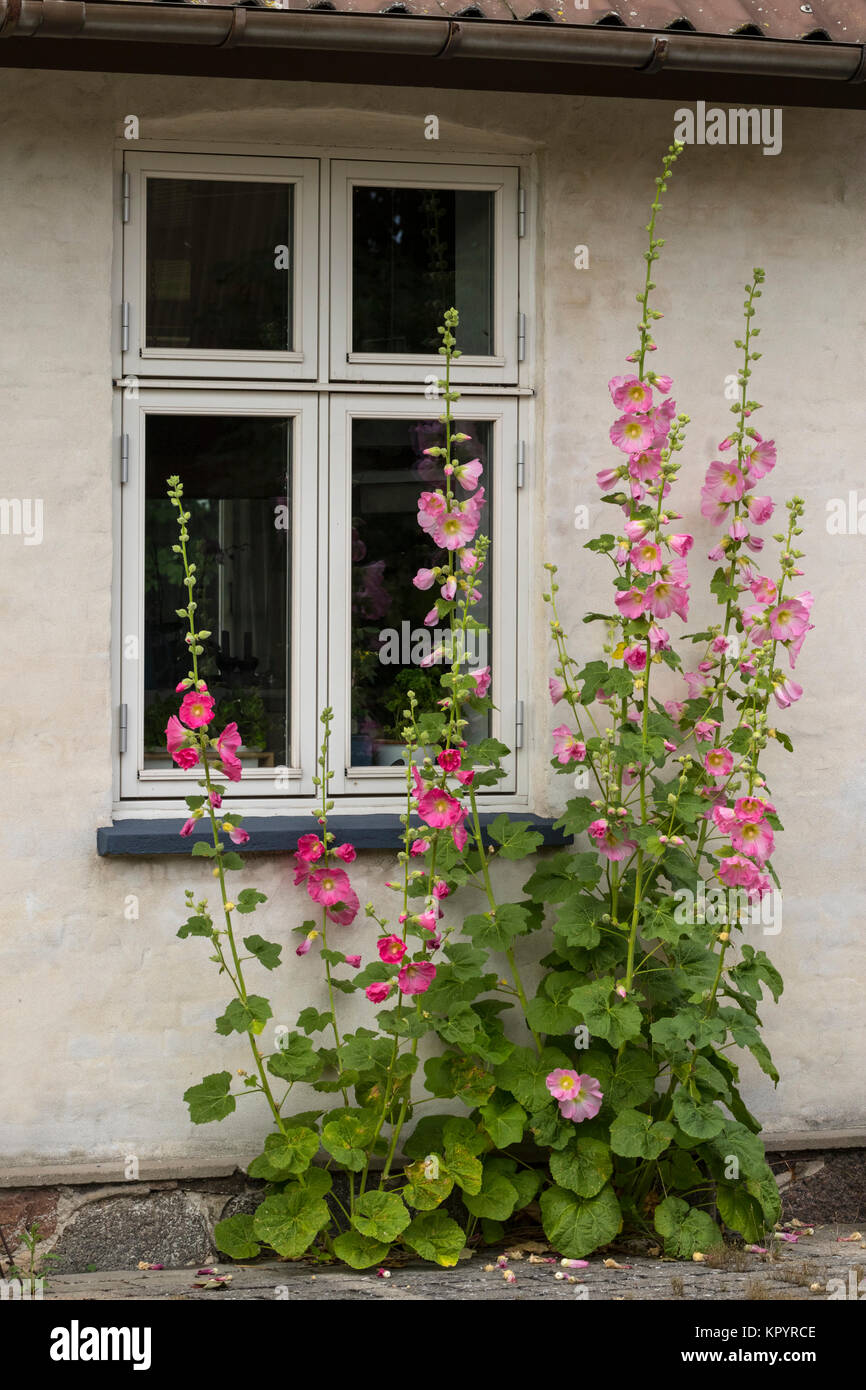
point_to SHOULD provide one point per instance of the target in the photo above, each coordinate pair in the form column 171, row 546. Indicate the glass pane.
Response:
column 236, row 473
column 389, row 637
column 415, row 253
column 220, row 265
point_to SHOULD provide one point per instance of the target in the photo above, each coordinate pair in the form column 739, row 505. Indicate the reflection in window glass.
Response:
column 389, row 636
column 236, row 472
column 217, row 274
column 415, row 253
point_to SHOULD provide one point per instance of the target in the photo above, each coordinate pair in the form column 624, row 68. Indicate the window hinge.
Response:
column 122, row 716
column 521, row 462
column 521, row 212
column 518, row 724
column 521, row 337
column 124, row 326
column 124, row 458
column 124, row 204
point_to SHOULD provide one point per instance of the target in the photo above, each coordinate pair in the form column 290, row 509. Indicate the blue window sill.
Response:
column 279, row 834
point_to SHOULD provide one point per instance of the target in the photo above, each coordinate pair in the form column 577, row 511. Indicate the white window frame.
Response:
column 499, row 577
column 499, row 369
column 139, row 782
column 301, row 362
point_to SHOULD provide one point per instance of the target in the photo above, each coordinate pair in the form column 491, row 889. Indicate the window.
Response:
column 287, row 374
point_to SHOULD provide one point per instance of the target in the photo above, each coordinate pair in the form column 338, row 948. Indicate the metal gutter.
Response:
column 388, row 35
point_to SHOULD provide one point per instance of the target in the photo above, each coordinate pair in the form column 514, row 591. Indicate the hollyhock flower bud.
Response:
column 188, row 826
column 378, row 992
column 306, row 943
column 424, row 579
column 215, row 800
column 681, row 544
column 760, row 509
column 182, row 685
column 737, row 530
column 556, row 687
column 346, row 853
column 354, row 961
column 449, row 588
column 482, row 680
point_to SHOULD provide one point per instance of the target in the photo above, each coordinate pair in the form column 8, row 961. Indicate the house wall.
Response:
column 106, row 1021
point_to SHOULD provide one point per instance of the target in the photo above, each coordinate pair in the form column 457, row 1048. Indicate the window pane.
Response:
column 217, row 276
column 415, row 253
column 236, row 473
column 389, row 637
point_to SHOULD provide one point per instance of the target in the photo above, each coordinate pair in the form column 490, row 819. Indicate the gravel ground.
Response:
column 795, row 1271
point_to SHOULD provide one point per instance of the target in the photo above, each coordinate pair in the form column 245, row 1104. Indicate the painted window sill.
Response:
column 279, row 834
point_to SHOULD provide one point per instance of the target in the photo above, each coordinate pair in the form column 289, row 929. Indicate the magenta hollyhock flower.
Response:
column 704, row 730
column 460, row 836
column 681, row 544
column 176, row 737
column 635, row 658
column 424, row 579
column 228, row 743
column 197, row 709
column 579, row 1096
column 567, row 747
column 437, row 808
column 718, row 762
column 482, row 680
column 346, row 853
column 239, row 836
column 631, row 602
column 428, row 919
column 391, row 949
column 465, row 776
column 760, row 509
column 659, row 639
column 186, row 758
column 646, row 557
column 333, row 891
column 608, row 843
column 419, row 847
column 188, row 825
column 306, row 943
column 630, row 394
column 449, row 759
column 665, row 598
column 468, row 474
column 354, row 961
column 737, row 872
column 786, row 693
column 556, row 688
column 215, row 800
column 754, row 838
column 441, row 889
column 631, row 433
column 378, row 992
column 416, row 977
column 310, row 848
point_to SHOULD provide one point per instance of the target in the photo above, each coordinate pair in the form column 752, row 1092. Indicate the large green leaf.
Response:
column 524, row 1074
column 497, row 1198
column 633, row 1135
column 577, row 921
column 296, row 1059
column 428, row 1183
column 736, row 1150
column 359, row 1252
column 549, row 1011
column 633, row 1081
column 348, row 1138
column 210, row 1100
column 584, row 1167
column 380, row 1215
column 241, row 1016
column 516, row 839
column 504, row 1120
column 496, row 930
column 700, row 1120
column 740, row 1211
column 293, row 1152
column 235, row 1237
column 576, row 1226
column 605, row 1014
column 434, row 1236
column 685, row 1229
column 267, row 952
column 289, row 1221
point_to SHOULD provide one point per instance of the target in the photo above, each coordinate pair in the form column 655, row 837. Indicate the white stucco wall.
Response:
column 104, row 1021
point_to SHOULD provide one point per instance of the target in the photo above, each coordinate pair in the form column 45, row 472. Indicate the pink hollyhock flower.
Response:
column 482, row 680
column 704, row 730
column 718, row 762
column 468, row 474
column 630, row 394
column 228, row 743
column 186, row 758
column 431, row 507
column 737, row 530
column 737, row 872
column 761, row 458
column 176, row 737
column 391, row 949
column 662, row 383
column 675, row 709
column 755, row 543
column 750, row 808
column 377, row 993
column 646, row 557
column 465, row 776
column 631, row 603
column 608, row 844
column 631, row 433
column 698, row 685
column 786, row 693
column 449, row 759
column 566, row 747
column 431, row 618
column 449, row 589
column 754, row 838
column 724, row 482
column 239, row 836
column 197, row 709
column 764, row 590
column 579, row 1096
column 608, row 478
column 665, row 598
column 333, row 891
column 189, row 825
column 659, row 639
column 310, row 848
column 428, row 919
column 416, row 977
column 438, row 809
column 441, row 889
column 460, row 836
column 635, row 530
column 215, row 800
column 681, row 544
column 424, row 579
column 468, row 560
column 354, row 961
column 761, row 509
column 306, row 944
column 635, row 658
column 419, row 847
column 556, row 688
column 805, row 600
column 723, row 817
column 182, row 685
column 346, row 853
column 645, row 467
column 788, row 619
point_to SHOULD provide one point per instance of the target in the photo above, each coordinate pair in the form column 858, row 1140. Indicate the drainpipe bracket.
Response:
column 452, row 41
column 235, row 34
column 859, row 73
column 658, row 57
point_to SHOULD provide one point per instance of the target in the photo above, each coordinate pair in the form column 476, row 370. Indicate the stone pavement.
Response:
column 801, row 1271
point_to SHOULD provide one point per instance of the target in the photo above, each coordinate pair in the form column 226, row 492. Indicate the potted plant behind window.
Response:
column 389, row 751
